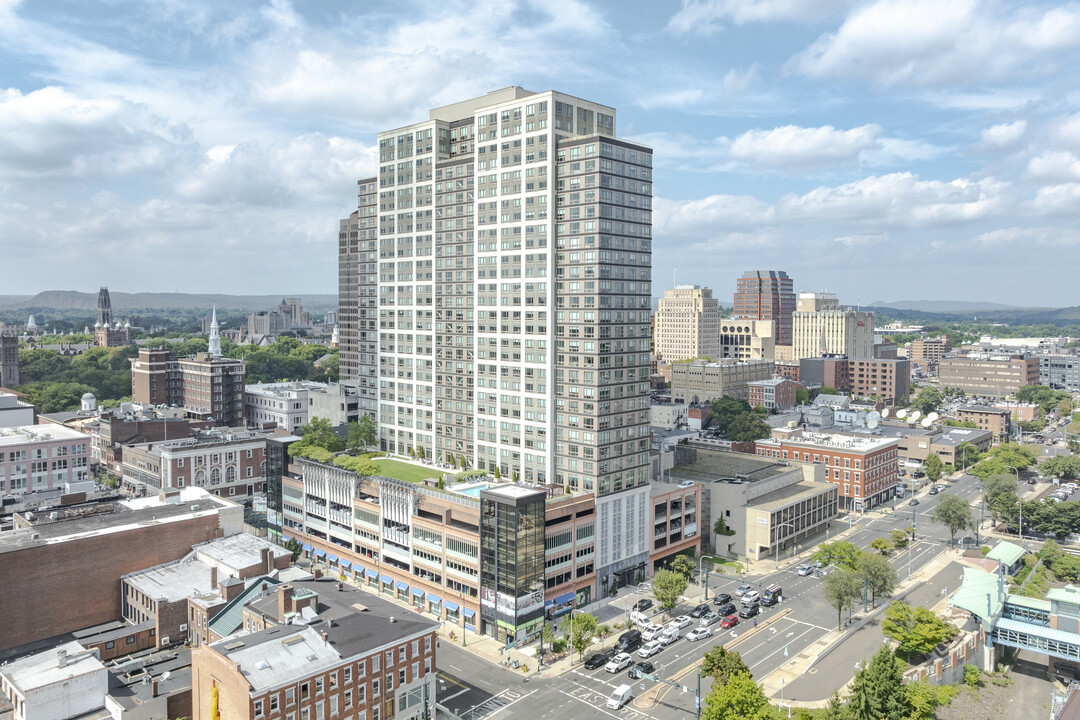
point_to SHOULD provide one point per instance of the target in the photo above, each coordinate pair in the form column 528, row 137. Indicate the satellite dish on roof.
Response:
column 914, row 416
column 933, row 417
column 872, row 419
column 885, row 412
column 902, row 413
column 926, row 422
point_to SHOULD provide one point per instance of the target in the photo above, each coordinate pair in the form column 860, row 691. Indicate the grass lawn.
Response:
column 406, row 472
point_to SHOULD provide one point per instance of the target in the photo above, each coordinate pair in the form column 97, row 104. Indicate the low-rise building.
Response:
column 773, row 394
column 700, row 381
column 674, row 522
column 1060, row 372
column 996, row 420
column 37, row 458
column 886, row 378
column 59, row 684
column 1020, row 412
column 668, row 415
column 346, row 654
column 14, row 412
column 229, row 463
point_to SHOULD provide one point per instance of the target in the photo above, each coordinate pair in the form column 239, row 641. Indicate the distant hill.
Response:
column 73, row 300
column 1014, row 316
column 949, row 306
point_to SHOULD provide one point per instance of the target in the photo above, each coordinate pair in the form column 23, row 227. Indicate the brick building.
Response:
column 229, row 463
column 773, row 394
column 69, row 568
column 996, row 420
column 927, row 352
column 208, row 387
column 887, row 378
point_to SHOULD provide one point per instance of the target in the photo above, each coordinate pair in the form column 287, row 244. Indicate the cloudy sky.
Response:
column 885, row 150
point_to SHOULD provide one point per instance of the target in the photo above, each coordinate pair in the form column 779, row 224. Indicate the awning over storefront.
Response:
column 468, row 613
column 435, row 599
column 372, row 573
column 451, row 606
column 320, row 553
column 308, row 548
column 418, row 592
column 386, row 579
column 332, row 558
column 565, row 598
column 401, row 585
column 345, row 564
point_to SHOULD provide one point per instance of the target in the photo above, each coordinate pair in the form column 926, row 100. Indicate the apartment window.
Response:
column 401, row 677
column 318, row 686
column 346, row 674
column 305, row 713
column 333, row 679
column 361, row 694
column 249, row 454
column 290, row 696
column 273, row 702
column 415, row 671
column 361, row 669
column 305, row 691
column 376, row 664
column 427, row 643
column 258, row 708
column 179, row 462
column 402, row 654
column 375, row 688
column 389, row 658
column 333, row 706
column 348, row 699
column 389, row 681
column 415, row 647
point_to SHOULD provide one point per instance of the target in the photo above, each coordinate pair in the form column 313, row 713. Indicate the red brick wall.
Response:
column 72, row 585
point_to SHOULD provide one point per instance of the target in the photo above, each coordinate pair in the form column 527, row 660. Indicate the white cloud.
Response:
column 858, row 241
column 705, row 17
column 1054, row 165
column 1013, row 237
column 793, row 146
column 1003, row 135
column 928, row 43
column 1063, row 199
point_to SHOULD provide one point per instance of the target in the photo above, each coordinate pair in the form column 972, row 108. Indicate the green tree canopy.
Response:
column 1003, row 458
column 318, row 433
column 668, row 586
column 747, row 427
column 683, row 565
column 840, row 553
column 880, row 576
column 579, row 628
column 721, row 664
column 928, row 400
column 954, row 513
column 917, row 630
column 841, row 588
column 933, row 467
column 877, row 691
column 740, row 698
column 1066, row 467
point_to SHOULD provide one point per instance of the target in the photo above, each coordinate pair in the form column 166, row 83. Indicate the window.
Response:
column 348, row 699
column 333, row 706
column 401, row 677
column 110, row 645
column 333, row 679
column 273, row 702
column 347, row 674
column 290, row 696
column 402, row 654
column 305, row 691
column 318, row 686
column 415, row 671
column 258, row 708
column 415, row 647
column 389, row 681
column 375, row 688
column 427, row 643
column 361, row 669
column 361, row 694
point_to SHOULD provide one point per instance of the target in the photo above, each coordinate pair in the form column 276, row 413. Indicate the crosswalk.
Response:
column 493, row 704
column 599, row 700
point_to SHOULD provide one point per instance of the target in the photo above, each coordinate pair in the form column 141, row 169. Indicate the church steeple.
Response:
column 215, row 339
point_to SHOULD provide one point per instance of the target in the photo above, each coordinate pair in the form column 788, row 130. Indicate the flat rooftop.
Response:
column 43, row 668
column 788, row 495
column 955, row 436
column 715, row 465
column 175, row 581
column 238, row 551
column 23, row 434
column 832, row 440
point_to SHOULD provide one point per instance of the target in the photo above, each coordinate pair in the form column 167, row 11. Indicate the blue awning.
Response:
column 308, row 548
column 286, row 539
column 401, row 585
column 564, row 598
column 320, row 553
column 332, row 558
column 387, row 579
column 345, row 564
column 549, row 603
column 418, row 592
column 434, row 599
column 372, row 573
column 467, row 612
column 451, row 606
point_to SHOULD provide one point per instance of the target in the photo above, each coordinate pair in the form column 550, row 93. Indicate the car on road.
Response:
column 751, row 597
column 651, row 631
column 668, row 636
column 709, row 618
column 914, row 502
column 721, row 599
column 698, row 633
column 935, row 489
column 805, row 570
column 629, row 641
column 699, row 610
column 643, row 605
column 642, row 668
column 729, row 621
column 750, row 611
column 680, row 622
column 650, row 648
column 726, row 609
column 619, row 662
column 743, row 589
column 685, row 484
column 599, row 659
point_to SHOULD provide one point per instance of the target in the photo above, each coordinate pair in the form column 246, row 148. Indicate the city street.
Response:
column 474, row 689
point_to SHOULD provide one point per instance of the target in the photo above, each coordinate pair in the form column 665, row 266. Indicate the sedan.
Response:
column 751, row 597
column 643, row 605
column 913, row 502
column 651, row 631
column 699, row 610
column 710, row 618
column 721, row 599
column 650, row 648
column 699, row 633
column 619, row 662
column 805, row 570
column 743, row 589
column 680, row 622
column 750, row 611
column 730, row 621
column 935, row 490
column 642, row 668
column 598, row 660
column 726, row 609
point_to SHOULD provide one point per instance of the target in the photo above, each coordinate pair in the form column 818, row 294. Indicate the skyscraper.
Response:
column 512, row 286
column 766, row 295
column 687, row 324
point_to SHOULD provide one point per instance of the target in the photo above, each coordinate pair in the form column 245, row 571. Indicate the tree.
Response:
column 720, row 663
column 668, row 586
column 725, row 410
column 877, row 691
column 318, row 433
column 828, row 390
column 579, row 628
column 932, row 465
column 747, row 427
column 740, row 698
column 899, row 538
column 720, row 527
column 917, row 630
column 840, row 553
column 1066, row 467
column 498, row 473
column 1003, row 459
column 295, row 548
column 683, row 565
column 368, row 431
column 802, row 396
column 882, row 544
column 953, row 513
column 879, row 575
column 841, row 588
column 967, row 454
column 928, row 400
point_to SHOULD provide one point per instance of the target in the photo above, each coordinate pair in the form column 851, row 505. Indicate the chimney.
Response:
column 61, row 658
column 285, row 602
column 213, row 577
column 267, row 561
column 154, row 687
column 325, row 638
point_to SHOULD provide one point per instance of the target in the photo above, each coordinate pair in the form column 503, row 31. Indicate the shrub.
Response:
column 972, row 676
column 985, row 549
column 559, row 645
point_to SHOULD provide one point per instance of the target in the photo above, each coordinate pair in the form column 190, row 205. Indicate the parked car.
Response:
column 650, row 648
column 729, row 621
column 721, row 599
column 643, row 605
column 619, row 662
column 709, row 618
column 599, row 659
column 751, row 597
column 680, row 622
column 668, row 636
column 642, row 668
column 651, row 631
column 726, row 609
column 698, row 633
column 685, row 484
column 913, row 502
column 805, row 570
column 750, row 611
column 699, row 610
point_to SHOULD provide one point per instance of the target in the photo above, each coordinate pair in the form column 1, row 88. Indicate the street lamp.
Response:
column 1020, row 504
column 705, row 582
column 777, row 551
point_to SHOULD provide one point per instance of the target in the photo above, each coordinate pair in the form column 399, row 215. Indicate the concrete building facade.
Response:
column 743, row 339
column 687, row 324
column 35, row 458
column 229, row 463
column 820, row 326
column 992, row 374
column 700, row 381
column 14, row 412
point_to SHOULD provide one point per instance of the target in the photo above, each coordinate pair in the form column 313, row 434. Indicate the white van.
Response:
column 620, row 697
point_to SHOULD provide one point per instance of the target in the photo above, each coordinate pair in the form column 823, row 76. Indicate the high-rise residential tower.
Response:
column 766, row 295
column 687, row 324
column 506, row 248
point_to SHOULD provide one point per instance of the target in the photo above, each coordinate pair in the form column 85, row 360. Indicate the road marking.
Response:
column 448, row 679
column 509, row 693
column 451, row 697
column 589, row 704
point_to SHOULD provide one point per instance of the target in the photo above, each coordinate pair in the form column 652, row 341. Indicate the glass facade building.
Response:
column 512, row 562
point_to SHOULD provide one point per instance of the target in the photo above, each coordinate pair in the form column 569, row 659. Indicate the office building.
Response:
column 208, row 387
column 68, row 682
column 995, row 420
column 988, row 374
column 928, row 351
column 766, row 295
column 513, row 293
column 747, row 340
column 687, row 324
column 322, row 652
column 9, row 356
column 699, row 381
column 36, row 458
column 95, row 544
column 107, row 332
column 821, row 327
column 1060, row 372
column 228, row 463
column 865, row 469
